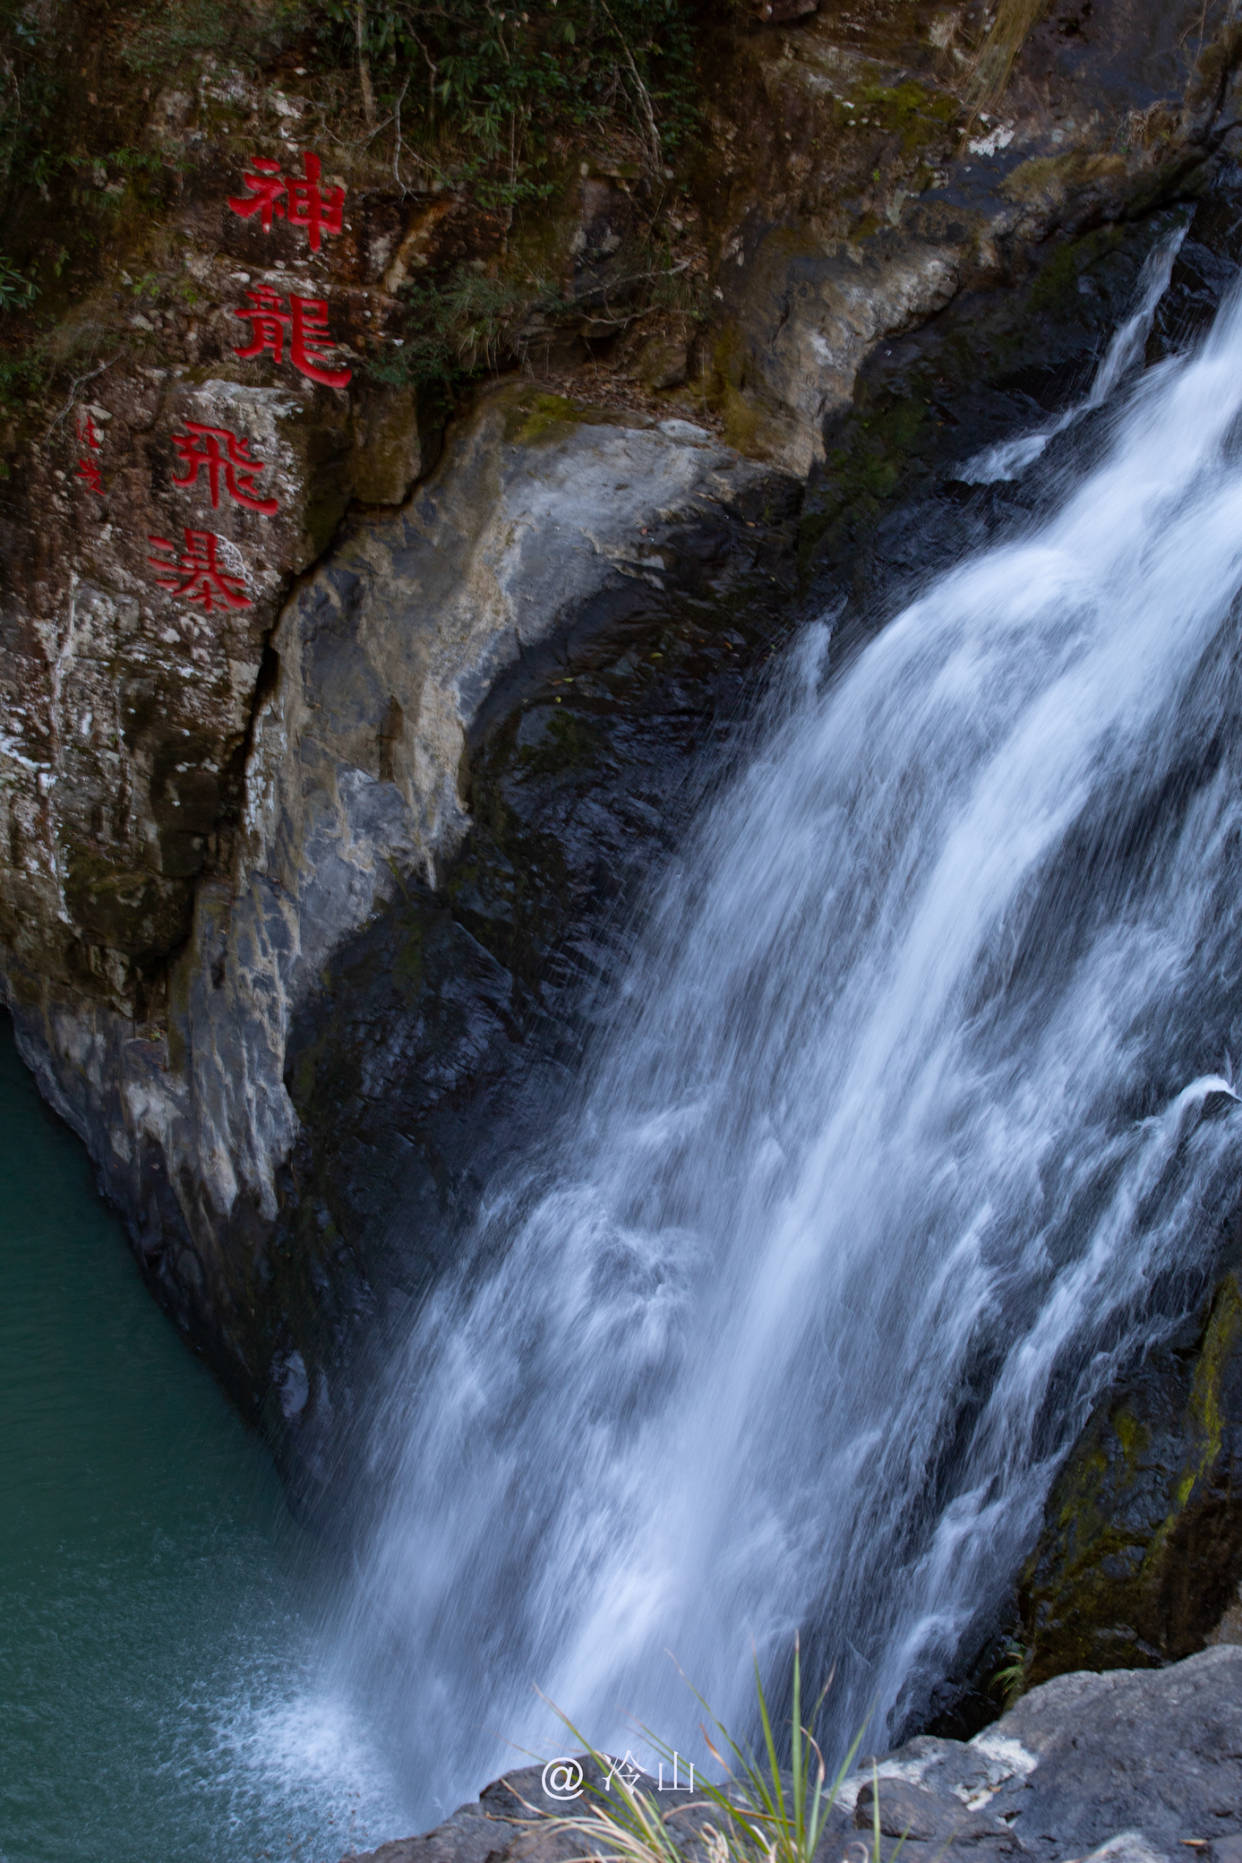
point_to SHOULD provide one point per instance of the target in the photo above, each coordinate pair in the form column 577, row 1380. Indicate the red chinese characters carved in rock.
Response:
column 298, row 199
column 224, row 459
column 88, row 469
column 305, row 323
column 195, row 575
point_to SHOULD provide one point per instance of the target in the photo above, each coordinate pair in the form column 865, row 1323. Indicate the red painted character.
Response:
column 317, row 209
column 221, row 454
column 305, row 322
column 300, row 201
column 196, row 575
column 88, row 468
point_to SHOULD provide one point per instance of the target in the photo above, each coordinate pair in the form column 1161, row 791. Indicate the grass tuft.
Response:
column 762, row 1812
column 998, row 54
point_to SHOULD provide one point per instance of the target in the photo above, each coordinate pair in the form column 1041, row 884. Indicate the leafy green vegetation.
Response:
column 15, row 287
column 1007, row 1681
column 471, row 321
column 503, row 84
column 493, row 104
column 182, row 29
column 457, row 327
column 74, row 165
column 22, row 377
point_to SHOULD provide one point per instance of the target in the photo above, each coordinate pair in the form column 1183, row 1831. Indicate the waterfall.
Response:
column 910, row 1125
column 1012, row 458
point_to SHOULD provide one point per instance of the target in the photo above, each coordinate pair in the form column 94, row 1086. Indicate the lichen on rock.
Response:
column 1142, row 1546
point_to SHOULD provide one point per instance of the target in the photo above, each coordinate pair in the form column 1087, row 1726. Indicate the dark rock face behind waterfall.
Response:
column 303, row 914
column 438, row 1035
column 1141, row 1554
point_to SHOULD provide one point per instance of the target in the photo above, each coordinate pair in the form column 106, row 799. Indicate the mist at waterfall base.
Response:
column 160, row 1696
column 912, row 1122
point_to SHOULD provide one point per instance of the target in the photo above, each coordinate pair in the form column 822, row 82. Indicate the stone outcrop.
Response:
column 1130, row 1767
column 863, row 197
column 304, row 903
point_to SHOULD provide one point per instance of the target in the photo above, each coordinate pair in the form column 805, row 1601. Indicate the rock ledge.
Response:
column 1132, row 1766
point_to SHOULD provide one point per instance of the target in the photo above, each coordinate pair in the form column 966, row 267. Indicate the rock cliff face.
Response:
column 380, row 668
column 310, row 882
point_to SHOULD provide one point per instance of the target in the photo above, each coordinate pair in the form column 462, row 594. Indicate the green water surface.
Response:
column 161, row 1695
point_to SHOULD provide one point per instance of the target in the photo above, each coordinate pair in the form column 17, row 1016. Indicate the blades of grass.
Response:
column 762, row 1808
column 999, row 52
column 796, row 1735
column 646, row 1840
column 769, row 1740
column 759, row 1826
column 742, row 1758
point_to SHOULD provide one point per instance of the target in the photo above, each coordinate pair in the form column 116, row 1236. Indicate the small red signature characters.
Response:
column 221, row 456
column 196, row 576
column 305, row 323
column 88, row 469
column 299, row 200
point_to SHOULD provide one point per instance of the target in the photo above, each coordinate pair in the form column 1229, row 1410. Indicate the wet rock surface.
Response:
column 475, row 730
column 305, row 907
column 1133, row 1766
column 1142, row 1546
column 442, row 1037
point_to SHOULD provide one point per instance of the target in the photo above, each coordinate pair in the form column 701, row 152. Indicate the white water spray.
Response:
column 909, row 1126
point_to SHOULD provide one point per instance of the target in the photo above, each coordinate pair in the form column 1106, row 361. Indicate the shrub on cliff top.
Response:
column 507, row 79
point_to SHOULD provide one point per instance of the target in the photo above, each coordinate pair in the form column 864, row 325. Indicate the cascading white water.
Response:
column 1011, row 458
column 910, row 1124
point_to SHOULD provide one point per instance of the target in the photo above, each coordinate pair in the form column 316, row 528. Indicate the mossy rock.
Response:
column 1050, row 179
column 535, row 414
column 131, row 910
column 1142, row 1545
column 919, row 117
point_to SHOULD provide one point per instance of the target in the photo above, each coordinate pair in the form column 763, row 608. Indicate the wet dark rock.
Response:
column 1142, row 1544
column 925, row 1817
column 441, row 1037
